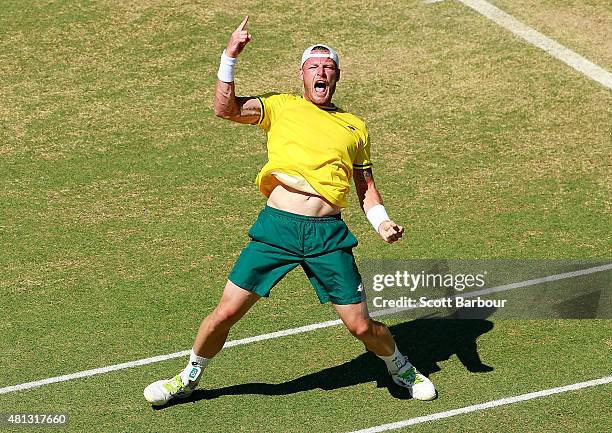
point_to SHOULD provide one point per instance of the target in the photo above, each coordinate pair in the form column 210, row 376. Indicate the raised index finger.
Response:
column 243, row 23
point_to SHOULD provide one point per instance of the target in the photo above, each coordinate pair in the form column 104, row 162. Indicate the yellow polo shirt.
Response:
column 321, row 144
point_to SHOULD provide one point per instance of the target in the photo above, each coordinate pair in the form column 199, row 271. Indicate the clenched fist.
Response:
column 390, row 231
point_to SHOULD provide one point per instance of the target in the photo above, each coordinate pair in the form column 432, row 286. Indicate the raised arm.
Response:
column 371, row 203
column 227, row 105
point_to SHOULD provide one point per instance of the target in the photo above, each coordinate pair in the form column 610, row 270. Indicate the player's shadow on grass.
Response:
column 425, row 341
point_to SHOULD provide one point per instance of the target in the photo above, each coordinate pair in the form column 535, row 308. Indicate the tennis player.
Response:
column 314, row 149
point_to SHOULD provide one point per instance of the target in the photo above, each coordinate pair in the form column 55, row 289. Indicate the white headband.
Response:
column 331, row 55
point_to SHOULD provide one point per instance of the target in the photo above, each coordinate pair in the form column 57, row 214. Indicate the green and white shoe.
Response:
column 418, row 385
column 161, row 392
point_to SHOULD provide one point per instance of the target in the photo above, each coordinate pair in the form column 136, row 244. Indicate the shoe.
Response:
column 418, row 385
column 161, row 392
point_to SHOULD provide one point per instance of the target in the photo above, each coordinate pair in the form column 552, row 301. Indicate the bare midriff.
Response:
column 285, row 198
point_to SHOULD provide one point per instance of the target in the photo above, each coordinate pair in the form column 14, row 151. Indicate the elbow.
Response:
column 220, row 112
column 224, row 113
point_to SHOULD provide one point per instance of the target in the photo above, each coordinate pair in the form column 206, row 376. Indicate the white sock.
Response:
column 193, row 370
column 395, row 361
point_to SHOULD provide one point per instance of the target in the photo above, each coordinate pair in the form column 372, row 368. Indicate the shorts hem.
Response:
column 250, row 288
column 350, row 301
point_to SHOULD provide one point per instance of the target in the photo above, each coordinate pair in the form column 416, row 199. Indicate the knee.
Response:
column 361, row 329
column 224, row 317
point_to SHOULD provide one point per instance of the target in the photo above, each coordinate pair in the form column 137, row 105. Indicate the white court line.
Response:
column 287, row 332
column 536, row 38
column 487, row 405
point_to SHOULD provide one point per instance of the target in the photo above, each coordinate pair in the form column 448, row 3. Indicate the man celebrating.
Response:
column 314, row 148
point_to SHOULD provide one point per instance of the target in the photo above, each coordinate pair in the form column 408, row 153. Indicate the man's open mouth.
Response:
column 320, row 86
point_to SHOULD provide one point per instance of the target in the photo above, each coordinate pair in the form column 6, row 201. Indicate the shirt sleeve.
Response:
column 271, row 104
column 363, row 160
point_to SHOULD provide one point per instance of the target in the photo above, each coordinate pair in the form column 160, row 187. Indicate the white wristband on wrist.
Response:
column 226, row 68
column 377, row 215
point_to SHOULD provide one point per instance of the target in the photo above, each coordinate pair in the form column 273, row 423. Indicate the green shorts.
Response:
column 280, row 241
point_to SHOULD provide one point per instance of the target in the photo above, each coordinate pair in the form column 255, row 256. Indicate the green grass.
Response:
column 124, row 202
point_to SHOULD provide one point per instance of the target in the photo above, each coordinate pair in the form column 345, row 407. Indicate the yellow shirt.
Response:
column 322, row 145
